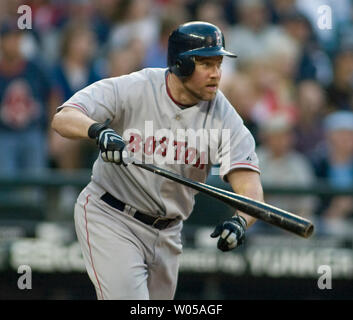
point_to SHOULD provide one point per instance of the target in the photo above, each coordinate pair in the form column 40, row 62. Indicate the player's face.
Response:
column 204, row 81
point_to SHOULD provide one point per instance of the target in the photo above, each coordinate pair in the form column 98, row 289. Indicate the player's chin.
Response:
column 207, row 96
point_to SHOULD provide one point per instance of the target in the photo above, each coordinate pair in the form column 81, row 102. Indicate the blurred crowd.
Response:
column 292, row 82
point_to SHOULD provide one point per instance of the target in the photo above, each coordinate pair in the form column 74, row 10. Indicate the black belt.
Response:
column 156, row 222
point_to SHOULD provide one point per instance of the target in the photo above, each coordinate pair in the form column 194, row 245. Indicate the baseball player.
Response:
column 129, row 220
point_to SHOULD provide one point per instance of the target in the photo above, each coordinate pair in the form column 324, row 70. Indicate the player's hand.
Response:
column 231, row 233
column 110, row 143
column 111, row 146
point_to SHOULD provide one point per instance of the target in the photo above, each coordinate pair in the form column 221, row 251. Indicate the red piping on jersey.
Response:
column 77, row 105
column 244, row 163
column 89, row 247
column 171, row 97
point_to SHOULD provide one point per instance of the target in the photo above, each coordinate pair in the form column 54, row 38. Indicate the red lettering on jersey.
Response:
column 179, row 145
column 181, row 152
column 201, row 161
column 197, row 164
column 162, row 147
column 134, row 143
column 150, row 145
column 190, row 155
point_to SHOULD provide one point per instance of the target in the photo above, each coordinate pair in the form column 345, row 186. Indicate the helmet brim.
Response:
column 209, row 52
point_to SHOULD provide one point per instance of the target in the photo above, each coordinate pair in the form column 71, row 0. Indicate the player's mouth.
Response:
column 212, row 87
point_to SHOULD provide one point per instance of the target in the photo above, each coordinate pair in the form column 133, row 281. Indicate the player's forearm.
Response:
column 253, row 192
column 247, row 183
column 71, row 123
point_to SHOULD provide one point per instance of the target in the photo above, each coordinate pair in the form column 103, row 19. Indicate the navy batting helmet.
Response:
column 194, row 39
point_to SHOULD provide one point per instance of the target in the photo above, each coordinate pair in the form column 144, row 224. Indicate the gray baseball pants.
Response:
column 125, row 258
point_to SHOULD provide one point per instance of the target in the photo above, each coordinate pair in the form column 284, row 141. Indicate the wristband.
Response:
column 96, row 128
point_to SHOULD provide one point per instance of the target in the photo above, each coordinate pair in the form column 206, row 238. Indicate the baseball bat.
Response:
column 262, row 211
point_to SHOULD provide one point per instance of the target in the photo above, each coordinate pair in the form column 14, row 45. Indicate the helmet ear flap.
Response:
column 184, row 66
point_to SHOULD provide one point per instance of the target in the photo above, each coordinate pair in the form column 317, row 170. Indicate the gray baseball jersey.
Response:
column 155, row 128
column 125, row 258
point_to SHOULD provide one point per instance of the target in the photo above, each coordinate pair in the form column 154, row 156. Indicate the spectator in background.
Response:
column 272, row 75
column 73, row 72
column 29, row 43
column 48, row 19
column 46, row 15
column 340, row 14
column 269, row 55
column 253, row 36
column 211, row 11
column 333, row 163
column 81, row 11
column 311, row 104
column 282, row 166
column 346, row 33
column 125, row 60
column 24, row 96
column 279, row 9
column 313, row 63
column 241, row 93
column 136, row 20
column 156, row 52
column 169, row 14
column 180, row 8
column 340, row 91
column 105, row 13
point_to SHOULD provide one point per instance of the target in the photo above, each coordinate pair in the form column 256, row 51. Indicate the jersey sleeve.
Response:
column 99, row 101
column 237, row 145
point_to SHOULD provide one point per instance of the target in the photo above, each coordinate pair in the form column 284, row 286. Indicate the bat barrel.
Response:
column 265, row 212
column 280, row 218
column 297, row 225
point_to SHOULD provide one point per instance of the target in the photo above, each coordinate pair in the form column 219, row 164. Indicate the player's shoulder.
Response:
column 133, row 83
column 137, row 82
column 224, row 112
column 144, row 75
column 222, row 106
column 157, row 73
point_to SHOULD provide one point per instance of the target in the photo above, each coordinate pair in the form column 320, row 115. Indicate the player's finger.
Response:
column 233, row 244
column 216, row 232
column 117, row 156
column 231, row 238
column 110, row 156
column 225, row 233
column 104, row 156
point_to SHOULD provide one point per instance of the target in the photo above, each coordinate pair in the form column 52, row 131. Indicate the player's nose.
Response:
column 216, row 72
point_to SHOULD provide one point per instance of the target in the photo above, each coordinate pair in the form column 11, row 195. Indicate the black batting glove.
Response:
column 231, row 233
column 110, row 143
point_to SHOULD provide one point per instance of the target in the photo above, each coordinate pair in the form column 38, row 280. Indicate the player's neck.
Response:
column 177, row 92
